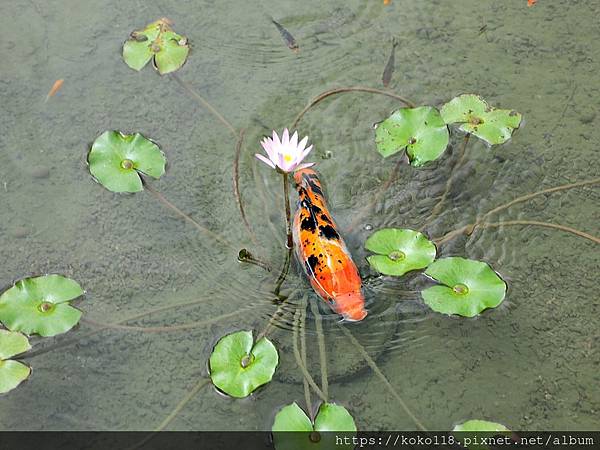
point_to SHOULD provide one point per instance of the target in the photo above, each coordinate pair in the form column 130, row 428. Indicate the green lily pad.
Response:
column 470, row 287
column 116, row 158
column 472, row 432
column 157, row 41
column 238, row 366
column 40, row 305
column 421, row 131
column 399, row 251
column 12, row 343
column 494, row 126
column 12, row 373
column 293, row 430
column 480, row 425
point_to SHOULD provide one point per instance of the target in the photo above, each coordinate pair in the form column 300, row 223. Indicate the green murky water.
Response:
column 530, row 364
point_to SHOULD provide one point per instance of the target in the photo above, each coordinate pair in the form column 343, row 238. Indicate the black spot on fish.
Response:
column 315, row 187
column 328, row 232
column 308, row 224
column 312, row 262
column 325, row 219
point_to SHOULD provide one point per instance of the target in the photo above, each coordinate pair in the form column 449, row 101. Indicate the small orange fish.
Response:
column 387, row 2
column 55, row 87
column 531, row 2
column 322, row 251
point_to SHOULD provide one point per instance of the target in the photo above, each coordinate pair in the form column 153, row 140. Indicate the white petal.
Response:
column 267, row 144
column 265, row 160
column 294, row 140
column 276, row 140
column 304, row 166
column 285, row 138
column 303, row 143
column 307, row 151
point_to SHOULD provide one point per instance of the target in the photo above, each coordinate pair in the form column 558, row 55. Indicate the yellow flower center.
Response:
column 287, row 157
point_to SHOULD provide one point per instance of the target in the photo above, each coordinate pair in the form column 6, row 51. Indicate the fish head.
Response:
column 302, row 174
column 351, row 306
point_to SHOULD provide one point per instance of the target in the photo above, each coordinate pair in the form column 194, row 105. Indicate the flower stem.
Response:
column 288, row 213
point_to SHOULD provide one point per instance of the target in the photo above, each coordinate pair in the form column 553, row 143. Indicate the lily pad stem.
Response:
column 322, row 96
column 290, row 239
column 298, row 356
column 190, row 395
column 373, row 365
column 301, row 323
column 236, row 186
column 204, row 103
column 322, row 350
column 162, row 199
column 436, row 209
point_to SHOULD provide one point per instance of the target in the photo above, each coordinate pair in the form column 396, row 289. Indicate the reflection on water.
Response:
column 528, row 364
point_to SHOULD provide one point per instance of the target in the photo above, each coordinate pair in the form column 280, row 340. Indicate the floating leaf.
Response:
column 12, row 373
column 494, row 126
column 421, row 131
column 238, row 366
column 305, row 435
column 40, row 305
column 169, row 49
column 470, row 287
column 115, row 160
column 472, row 432
column 12, row 343
column 480, row 425
column 399, row 251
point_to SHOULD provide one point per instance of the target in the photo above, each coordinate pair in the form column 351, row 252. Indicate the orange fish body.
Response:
column 322, row 251
column 531, row 2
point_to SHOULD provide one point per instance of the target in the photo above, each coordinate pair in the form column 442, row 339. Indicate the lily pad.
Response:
column 293, row 430
column 116, row 159
column 494, row 126
column 421, row 131
column 159, row 42
column 472, row 432
column 238, row 366
column 12, row 373
column 12, row 343
column 480, row 425
column 399, row 251
column 40, row 305
column 469, row 287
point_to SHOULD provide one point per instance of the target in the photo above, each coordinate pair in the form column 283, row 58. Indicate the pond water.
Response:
column 531, row 363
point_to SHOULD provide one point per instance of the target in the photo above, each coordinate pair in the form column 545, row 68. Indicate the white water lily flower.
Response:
column 287, row 154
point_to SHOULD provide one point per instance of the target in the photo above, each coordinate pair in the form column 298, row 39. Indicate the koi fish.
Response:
column 387, row 2
column 322, row 251
column 531, row 2
column 54, row 89
column 287, row 37
column 389, row 67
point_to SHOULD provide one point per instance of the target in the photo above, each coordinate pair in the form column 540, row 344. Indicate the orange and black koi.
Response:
column 287, row 37
column 322, row 251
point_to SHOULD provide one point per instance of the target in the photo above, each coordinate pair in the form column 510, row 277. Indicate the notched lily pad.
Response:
column 293, row 430
column 116, row 159
column 40, row 305
column 399, row 251
column 472, row 432
column 421, row 131
column 494, row 126
column 157, row 42
column 468, row 287
column 238, row 366
column 12, row 373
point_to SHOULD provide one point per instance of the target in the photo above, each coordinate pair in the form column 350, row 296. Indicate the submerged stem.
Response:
column 307, row 376
column 236, row 186
column 373, row 365
column 302, row 326
column 322, row 350
column 162, row 199
column 290, row 237
column 436, row 209
column 335, row 91
column 190, row 395
column 204, row 103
